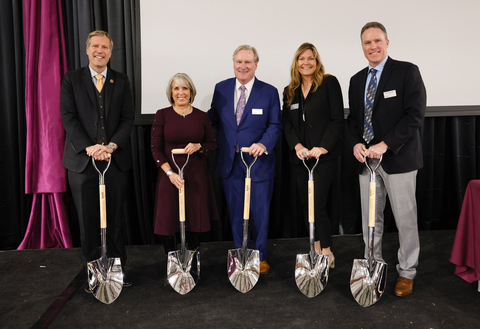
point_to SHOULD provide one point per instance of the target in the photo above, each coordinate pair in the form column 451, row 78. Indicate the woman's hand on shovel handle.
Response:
column 176, row 180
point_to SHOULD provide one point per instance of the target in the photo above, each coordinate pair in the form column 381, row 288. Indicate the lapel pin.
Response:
column 111, row 80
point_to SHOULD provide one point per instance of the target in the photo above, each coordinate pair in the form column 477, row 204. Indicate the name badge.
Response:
column 294, row 106
column 257, row 111
column 390, row 94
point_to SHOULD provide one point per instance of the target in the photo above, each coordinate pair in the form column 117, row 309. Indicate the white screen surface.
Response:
column 199, row 37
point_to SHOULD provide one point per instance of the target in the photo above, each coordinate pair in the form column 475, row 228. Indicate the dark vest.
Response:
column 101, row 133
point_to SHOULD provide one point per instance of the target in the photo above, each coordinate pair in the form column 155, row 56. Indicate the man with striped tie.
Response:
column 387, row 103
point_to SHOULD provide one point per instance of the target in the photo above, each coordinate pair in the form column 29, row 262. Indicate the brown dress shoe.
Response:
column 404, row 287
column 264, row 267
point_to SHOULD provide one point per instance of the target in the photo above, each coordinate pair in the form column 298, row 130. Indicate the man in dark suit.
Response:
column 387, row 109
column 247, row 113
column 97, row 112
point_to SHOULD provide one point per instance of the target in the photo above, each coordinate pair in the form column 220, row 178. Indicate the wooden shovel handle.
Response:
column 179, row 151
column 245, row 149
column 103, row 206
column 311, row 207
column 371, row 204
column 181, row 203
column 246, row 207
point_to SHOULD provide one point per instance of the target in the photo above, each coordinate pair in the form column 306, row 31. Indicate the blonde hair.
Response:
column 99, row 33
column 183, row 80
column 295, row 78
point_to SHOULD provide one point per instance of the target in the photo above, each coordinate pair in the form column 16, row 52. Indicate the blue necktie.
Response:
column 367, row 123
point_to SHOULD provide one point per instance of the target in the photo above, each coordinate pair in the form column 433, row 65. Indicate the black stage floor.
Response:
column 41, row 288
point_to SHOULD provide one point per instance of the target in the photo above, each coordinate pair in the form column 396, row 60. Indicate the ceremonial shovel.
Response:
column 105, row 276
column 369, row 276
column 311, row 270
column 182, row 272
column 243, row 265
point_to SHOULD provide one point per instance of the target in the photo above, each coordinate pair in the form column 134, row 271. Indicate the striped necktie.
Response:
column 367, row 123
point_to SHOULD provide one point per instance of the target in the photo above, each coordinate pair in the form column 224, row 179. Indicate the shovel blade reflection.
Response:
column 311, row 278
column 368, row 286
column 243, row 276
column 183, row 277
column 105, row 279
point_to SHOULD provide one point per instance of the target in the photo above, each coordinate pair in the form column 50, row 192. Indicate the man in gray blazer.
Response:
column 387, row 107
column 97, row 112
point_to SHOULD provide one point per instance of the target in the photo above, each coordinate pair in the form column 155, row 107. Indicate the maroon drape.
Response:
column 45, row 65
column 466, row 247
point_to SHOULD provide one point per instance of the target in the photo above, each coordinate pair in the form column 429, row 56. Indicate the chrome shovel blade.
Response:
column 106, row 283
column 367, row 287
column 243, row 277
column 311, row 278
column 183, row 278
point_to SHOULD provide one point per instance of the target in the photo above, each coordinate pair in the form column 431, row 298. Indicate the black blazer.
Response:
column 398, row 114
column 78, row 104
column 323, row 119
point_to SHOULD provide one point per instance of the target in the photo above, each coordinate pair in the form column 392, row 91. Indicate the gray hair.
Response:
column 247, row 47
column 183, row 80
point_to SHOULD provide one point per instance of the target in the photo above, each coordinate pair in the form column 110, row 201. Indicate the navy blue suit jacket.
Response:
column 398, row 114
column 260, row 123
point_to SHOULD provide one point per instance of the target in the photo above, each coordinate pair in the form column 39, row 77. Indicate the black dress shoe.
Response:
column 126, row 281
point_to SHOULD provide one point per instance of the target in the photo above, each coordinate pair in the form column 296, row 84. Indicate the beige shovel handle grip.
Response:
column 179, row 151
column 311, row 209
column 103, row 207
column 181, row 203
column 246, row 207
column 245, row 149
column 371, row 204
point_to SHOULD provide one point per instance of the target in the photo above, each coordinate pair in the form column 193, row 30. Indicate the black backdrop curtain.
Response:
column 451, row 144
column 14, row 204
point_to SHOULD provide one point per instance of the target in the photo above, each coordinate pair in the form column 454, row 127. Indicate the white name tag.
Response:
column 257, row 111
column 294, row 106
column 390, row 94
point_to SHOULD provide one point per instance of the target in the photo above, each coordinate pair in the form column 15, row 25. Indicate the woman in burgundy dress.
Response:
column 182, row 126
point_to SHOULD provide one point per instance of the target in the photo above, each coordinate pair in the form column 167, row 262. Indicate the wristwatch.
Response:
column 112, row 146
column 169, row 172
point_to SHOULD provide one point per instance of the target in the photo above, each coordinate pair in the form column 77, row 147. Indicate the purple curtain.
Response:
column 45, row 65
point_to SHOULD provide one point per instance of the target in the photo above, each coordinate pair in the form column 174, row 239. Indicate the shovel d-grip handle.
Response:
column 248, row 183
column 311, row 194
column 181, row 192
column 372, row 191
column 102, row 192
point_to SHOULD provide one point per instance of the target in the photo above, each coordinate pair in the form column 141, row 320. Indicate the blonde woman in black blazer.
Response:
column 313, row 124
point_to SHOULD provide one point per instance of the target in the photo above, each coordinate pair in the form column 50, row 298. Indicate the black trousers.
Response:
column 322, row 176
column 85, row 192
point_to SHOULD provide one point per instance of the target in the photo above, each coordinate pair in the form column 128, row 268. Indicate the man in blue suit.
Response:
column 246, row 112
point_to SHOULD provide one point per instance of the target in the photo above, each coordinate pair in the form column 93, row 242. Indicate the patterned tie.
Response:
column 367, row 123
column 241, row 105
column 99, row 82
